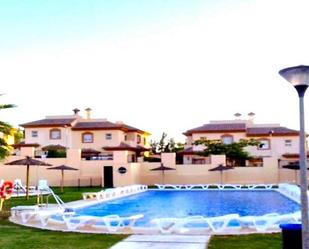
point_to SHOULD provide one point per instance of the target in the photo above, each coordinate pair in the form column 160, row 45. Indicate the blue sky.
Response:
column 159, row 65
column 44, row 22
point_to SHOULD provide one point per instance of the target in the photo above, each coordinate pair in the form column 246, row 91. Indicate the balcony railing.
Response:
column 101, row 158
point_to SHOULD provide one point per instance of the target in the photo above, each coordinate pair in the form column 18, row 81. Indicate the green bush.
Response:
column 152, row 159
column 56, row 154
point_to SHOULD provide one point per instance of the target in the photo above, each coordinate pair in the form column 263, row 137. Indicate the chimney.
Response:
column 76, row 111
column 251, row 116
column 88, row 112
column 237, row 115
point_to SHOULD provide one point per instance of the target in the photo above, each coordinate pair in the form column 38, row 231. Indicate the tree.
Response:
column 165, row 146
column 18, row 136
column 5, row 130
column 161, row 144
column 153, row 147
column 234, row 152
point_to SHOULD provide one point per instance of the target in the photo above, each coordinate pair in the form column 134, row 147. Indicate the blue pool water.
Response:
column 162, row 204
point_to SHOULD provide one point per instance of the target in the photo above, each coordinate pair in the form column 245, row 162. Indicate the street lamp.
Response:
column 299, row 77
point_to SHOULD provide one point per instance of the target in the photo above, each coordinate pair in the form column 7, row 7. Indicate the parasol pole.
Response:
column 62, row 180
column 1, row 203
column 27, row 182
column 162, row 176
column 295, row 177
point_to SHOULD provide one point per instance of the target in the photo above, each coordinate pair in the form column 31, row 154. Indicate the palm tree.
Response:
column 5, row 129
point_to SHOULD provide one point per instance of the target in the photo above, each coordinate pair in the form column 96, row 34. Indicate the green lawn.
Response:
column 252, row 241
column 14, row 236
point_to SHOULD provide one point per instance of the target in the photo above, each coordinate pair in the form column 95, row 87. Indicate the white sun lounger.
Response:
column 260, row 186
column 268, row 221
column 220, row 223
column 215, row 224
column 231, row 186
column 115, row 192
column 43, row 215
column 75, row 222
column 114, row 223
column 169, row 225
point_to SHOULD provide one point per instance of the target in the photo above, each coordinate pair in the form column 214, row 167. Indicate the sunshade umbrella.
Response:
column 221, row 168
column 162, row 168
column 294, row 166
column 28, row 161
column 62, row 168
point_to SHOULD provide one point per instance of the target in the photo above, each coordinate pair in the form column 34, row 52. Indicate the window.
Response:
column 264, row 144
column 34, row 133
column 87, row 137
column 131, row 158
column 145, row 140
column 55, row 134
column 138, row 139
column 288, row 143
column 108, row 136
column 125, row 137
column 227, row 139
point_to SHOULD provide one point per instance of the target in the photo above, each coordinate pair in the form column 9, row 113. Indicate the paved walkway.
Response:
column 163, row 242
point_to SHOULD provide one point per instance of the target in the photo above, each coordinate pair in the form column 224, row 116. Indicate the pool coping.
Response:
column 146, row 230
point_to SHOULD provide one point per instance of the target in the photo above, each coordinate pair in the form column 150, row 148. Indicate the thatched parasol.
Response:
column 28, row 161
column 62, row 168
column 162, row 168
column 221, row 168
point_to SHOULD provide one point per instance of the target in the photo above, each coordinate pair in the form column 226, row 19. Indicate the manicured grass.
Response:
column 14, row 236
column 252, row 241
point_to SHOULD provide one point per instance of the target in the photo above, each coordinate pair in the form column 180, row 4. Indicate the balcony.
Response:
column 107, row 157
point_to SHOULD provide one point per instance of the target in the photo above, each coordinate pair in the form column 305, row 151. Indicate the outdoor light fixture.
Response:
column 299, row 77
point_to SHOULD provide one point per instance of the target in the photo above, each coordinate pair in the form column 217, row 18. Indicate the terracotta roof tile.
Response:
column 106, row 125
column 241, row 127
column 94, row 125
column 124, row 146
column 293, row 155
column 224, row 127
column 22, row 144
column 49, row 122
column 90, row 151
column 188, row 151
column 274, row 131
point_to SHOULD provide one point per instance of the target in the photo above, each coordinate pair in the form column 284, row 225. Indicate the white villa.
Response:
column 96, row 138
column 275, row 141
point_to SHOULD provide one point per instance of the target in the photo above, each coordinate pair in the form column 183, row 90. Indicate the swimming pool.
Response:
column 180, row 204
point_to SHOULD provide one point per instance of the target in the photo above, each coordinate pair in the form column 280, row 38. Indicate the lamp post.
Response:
column 299, row 77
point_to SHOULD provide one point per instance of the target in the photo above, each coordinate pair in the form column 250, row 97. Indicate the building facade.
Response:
column 97, row 139
column 274, row 140
column 111, row 154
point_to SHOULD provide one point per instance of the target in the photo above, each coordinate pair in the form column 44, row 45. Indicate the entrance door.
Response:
column 108, row 177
